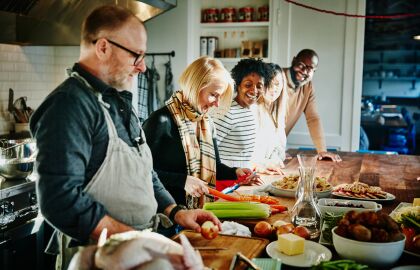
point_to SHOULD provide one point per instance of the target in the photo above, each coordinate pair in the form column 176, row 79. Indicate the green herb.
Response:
column 329, row 221
column 340, row 265
column 411, row 221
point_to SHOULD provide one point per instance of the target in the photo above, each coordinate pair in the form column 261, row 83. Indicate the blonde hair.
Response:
column 199, row 74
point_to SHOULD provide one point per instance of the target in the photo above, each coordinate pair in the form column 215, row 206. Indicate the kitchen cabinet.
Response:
column 235, row 40
column 392, row 65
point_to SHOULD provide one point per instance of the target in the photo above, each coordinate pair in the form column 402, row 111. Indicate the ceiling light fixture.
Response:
column 417, row 37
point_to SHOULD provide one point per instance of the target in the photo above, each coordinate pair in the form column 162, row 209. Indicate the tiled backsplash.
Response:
column 31, row 71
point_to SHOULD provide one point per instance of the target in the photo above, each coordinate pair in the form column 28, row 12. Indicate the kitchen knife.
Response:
column 209, row 248
column 11, row 97
column 230, row 189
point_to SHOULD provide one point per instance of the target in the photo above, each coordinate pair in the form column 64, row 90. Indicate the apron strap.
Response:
column 154, row 222
column 112, row 131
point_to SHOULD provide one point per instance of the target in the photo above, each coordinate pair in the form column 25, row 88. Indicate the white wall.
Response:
column 169, row 32
column 31, row 71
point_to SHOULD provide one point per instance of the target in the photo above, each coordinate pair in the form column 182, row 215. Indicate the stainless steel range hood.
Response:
column 58, row 22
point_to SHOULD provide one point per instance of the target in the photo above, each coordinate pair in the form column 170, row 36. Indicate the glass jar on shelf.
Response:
column 246, row 14
column 228, row 14
column 263, row 14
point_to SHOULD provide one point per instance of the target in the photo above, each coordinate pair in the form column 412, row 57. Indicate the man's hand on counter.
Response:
column 329, row 155
column 112, row 225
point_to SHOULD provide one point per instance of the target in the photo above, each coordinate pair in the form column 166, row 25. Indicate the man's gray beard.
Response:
column 112, row 80
column 302, row 83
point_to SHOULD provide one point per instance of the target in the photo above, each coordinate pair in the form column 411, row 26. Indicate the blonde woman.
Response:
column 182, row 137
column 270, row 150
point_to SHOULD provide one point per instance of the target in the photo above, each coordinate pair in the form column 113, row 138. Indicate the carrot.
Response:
column 223, row 196
column 274, row 211
column 279, row 207
column 268, row 200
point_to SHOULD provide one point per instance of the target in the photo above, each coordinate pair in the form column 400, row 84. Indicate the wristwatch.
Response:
column 175, row 210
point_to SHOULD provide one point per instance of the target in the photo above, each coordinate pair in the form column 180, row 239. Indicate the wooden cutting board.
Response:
column 251, row 247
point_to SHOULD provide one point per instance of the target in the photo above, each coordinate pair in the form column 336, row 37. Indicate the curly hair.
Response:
column 247, row 66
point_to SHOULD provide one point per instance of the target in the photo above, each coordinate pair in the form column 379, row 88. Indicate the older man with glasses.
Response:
column 301, row 99
column 95, row 168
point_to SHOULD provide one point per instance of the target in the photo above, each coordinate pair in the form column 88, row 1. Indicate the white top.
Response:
column 270, row 149
column 236, row 135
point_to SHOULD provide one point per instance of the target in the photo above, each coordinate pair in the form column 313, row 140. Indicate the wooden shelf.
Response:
column 234, row 60
column 235, row 24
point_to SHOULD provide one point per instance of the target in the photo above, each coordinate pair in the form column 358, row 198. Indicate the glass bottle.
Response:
column 305, row 212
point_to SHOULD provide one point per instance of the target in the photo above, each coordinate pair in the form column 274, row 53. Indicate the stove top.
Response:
column 18, row 203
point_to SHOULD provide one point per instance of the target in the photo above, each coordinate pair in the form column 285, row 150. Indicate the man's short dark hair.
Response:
column 306, row 53
column 247, row 66
column 105, row 18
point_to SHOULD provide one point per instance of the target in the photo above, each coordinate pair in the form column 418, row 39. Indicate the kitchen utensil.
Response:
column 19, row 117
column 239, row 257
column 22, row 109
column 17, row 158
column 230, row 189
column 210, row 248
column 11, row 97
column 340, row 206
column 251, row 247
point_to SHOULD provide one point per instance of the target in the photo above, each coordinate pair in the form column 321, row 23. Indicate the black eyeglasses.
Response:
column 138, row 56
column 304, row 67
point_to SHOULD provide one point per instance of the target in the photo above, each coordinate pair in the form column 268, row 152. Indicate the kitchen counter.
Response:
column 396, row 174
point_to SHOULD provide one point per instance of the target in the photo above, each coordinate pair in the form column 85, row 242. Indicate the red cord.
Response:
column 394, row 16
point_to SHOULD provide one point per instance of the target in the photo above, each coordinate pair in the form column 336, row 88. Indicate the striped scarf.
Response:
column 197, row 144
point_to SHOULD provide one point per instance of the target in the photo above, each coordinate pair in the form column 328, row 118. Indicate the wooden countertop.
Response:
column 396, row 174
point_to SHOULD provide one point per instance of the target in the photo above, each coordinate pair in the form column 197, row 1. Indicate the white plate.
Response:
column 412, row 253
column 407, row 267
column 291, row 192
column 403, row 204
column 389, row 197
column 314, row 254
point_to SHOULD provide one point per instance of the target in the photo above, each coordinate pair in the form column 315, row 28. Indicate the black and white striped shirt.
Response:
column 236, row 135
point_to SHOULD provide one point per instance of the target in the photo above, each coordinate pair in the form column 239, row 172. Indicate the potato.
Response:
column 360, row 232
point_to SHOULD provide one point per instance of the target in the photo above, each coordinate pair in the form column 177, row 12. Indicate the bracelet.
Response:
column 175, row 210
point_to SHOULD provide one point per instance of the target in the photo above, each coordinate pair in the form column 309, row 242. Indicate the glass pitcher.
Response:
column 305, row 212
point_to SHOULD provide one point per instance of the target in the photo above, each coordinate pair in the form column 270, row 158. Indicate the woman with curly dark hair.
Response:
column 236, row 130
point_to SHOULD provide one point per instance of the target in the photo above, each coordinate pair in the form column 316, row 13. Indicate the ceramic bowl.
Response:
column 379, row 255
column 340, row 206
